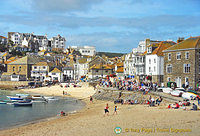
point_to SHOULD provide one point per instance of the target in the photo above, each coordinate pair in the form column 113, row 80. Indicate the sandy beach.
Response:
column 90, row 121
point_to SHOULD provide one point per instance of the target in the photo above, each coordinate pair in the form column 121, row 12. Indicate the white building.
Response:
column 134, row 64
column 3, row 40
column 155, row 60
column 56, row 75
column 85, row 50
column 44, row 43
column 81, row 68
column 40, row 71
column 68, row 73
column 129, row 69
column 58, row 42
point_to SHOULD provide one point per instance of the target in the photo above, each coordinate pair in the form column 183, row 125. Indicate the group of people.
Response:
column 151, row 101
column 107, row 111
column 129, row 84
column 182, row 105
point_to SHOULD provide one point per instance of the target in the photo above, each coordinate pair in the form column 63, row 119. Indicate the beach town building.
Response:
column 85, row 50
column 40, row 71
column 119, row 70
column 154, row 61
column 99, row 68
column 68, row 73
column 182, row 63
column 81, row 68
column 4, row 56
column 20, row 69
column 36, row 42
column 134, row 63
column 56, row 75
column 129, row 69
column 58, row 43
column 100, row 71
column 3, row 40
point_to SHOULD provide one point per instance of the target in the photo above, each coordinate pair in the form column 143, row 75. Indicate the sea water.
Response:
column 11, row 116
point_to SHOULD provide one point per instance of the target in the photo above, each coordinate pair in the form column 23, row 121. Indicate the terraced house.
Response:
column 155, row 60
column 182, row 63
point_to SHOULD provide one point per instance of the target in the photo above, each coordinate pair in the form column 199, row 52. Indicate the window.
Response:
column 97, row 70
column 178, row 55
column 13, row 69
column 53, row 73
column 154, row 68
column 35, row 67
column 149, row 61
column 169, row 56
column 149, row 50
column 20, row 68
column 168, row 79
column 44, row 67
column 186, row 55
column 186, row 68
column 154, row 60
column 169, row 68
column 149, row 69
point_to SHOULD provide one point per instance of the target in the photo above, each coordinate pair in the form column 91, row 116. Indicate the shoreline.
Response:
column 31, row 91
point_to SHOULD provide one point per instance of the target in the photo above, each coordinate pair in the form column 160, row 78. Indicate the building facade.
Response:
column 3, row 40
column 85, row 50
column 40, row 71
column 182, row 63
column 155, row 61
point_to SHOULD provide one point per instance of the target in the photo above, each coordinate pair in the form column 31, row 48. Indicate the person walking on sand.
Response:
column 91, row 99
column 115, row 110
column 106, row 110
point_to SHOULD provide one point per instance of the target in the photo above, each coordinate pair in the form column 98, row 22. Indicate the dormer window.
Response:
column 149, row 50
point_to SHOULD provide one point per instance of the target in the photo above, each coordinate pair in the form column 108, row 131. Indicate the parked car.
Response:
column 165, row 90
column 189, row 95
column 177, row 92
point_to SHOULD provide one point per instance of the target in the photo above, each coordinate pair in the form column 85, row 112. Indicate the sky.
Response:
column 110, row 25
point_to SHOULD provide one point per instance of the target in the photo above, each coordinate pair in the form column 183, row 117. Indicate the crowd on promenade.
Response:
column 129, row 84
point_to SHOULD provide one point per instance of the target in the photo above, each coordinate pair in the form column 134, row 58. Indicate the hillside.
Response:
column 110, row 54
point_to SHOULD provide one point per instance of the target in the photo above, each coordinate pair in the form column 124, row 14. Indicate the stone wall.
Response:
column 12, row 84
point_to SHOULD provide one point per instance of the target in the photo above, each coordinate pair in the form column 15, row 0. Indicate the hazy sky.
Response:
column 110, row 25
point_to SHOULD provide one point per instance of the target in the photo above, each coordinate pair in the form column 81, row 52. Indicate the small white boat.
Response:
column 38, row 97
column 48, row 97
column 9, row 103
column 15, row 98
column 2, row 102
column 52, row 99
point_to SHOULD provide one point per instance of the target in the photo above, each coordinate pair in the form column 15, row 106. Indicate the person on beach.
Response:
column 176, row 106
column 91, row 99
column 106, row 110
column 194, row 107
column 62, row 113
column 115, row 110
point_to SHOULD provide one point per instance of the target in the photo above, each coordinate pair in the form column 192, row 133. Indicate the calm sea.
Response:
column 11, row 116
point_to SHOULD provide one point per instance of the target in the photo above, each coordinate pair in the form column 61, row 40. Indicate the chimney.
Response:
column 180, row 39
